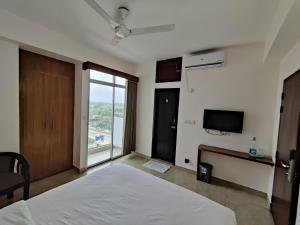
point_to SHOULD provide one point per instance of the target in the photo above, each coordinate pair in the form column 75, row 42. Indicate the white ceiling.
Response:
column 200, row 24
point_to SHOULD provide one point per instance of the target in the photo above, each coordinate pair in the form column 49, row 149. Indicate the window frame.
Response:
column 114, row 85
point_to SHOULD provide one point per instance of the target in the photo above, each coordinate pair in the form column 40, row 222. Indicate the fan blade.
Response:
column 154, row 29
column 102, row 12
column 115, row 40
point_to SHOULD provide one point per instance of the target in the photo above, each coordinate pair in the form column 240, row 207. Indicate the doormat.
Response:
column 158, row 167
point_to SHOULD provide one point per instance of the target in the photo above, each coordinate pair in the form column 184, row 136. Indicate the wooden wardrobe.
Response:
column 46, row 113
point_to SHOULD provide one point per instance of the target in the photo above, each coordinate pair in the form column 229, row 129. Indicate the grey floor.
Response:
column 250, row 209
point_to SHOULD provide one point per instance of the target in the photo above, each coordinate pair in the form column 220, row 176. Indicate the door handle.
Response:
column 285, row 164
column 290, row 165
column 291, row 172
column 177, row 70
column 173, row 127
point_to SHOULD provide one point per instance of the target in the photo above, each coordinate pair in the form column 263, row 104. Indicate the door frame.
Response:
column 296, row 183
column 156, row 90
column 295, row 188
column 113, row 85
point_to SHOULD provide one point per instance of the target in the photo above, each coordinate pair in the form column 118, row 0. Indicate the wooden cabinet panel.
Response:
column 47, row 108
column 169, row 70
column 33, row 124
column 58, row 94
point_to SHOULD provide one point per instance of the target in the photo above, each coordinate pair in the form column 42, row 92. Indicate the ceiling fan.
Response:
column 119, row 27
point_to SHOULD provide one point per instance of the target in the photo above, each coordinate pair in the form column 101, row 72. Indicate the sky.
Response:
column 102, row 93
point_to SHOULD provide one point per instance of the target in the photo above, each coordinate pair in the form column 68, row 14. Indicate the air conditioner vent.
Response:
column 206, row 60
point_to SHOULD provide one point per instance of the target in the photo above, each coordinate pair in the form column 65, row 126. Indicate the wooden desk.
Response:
column 231, row 153
column 234, row 154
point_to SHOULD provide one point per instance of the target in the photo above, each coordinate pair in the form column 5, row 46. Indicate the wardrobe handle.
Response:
column 52, row 124
column 177, row 70
column 45, row 124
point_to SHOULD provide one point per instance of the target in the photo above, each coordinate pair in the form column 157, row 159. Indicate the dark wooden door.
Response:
column 286, row 189
column 168, row 70
column 47, row 104
column 165, row 124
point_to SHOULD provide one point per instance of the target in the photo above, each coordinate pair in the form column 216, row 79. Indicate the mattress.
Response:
column 122, row 195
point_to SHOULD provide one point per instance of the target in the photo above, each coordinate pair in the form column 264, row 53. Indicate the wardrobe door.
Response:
column 59, row 93
column 47, row 102
column 33, row 125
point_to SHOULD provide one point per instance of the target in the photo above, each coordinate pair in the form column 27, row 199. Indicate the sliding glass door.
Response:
column 119, row 121
column 106, row 117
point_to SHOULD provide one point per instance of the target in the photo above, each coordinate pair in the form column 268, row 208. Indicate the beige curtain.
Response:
column 130, row 124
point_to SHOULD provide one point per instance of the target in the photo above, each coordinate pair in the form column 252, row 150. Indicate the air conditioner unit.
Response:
column 203, row 61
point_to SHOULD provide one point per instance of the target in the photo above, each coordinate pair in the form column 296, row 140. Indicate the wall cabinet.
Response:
column 169, row 70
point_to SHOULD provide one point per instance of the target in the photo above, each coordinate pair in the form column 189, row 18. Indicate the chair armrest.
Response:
column 22, row 162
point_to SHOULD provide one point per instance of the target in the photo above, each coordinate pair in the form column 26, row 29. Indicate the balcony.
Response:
column 100, row 142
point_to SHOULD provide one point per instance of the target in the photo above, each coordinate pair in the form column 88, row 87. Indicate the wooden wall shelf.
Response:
column 235, row 154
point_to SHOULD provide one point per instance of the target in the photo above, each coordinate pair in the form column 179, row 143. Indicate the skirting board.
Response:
column 82, row 170
column 216, row 180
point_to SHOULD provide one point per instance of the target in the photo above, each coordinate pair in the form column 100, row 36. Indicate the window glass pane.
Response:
column 119, row 121
column 120, row 81
column 96, row 75
column 100, row 123
column 106, row 117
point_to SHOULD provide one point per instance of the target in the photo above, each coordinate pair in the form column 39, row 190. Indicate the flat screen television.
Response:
column 224, row 121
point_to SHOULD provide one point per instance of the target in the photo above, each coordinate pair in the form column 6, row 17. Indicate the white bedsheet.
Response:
column 16, row 214
column 122, row 195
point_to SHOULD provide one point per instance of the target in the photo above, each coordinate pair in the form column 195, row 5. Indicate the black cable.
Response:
column 217, row 134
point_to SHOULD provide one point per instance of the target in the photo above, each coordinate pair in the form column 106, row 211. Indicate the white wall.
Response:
column 284, row 32
column 9, row 97
column 77, row 116
column 29, row 33
column 280, row 16
column 84, row 120
column 246, row 84
column 34, row 37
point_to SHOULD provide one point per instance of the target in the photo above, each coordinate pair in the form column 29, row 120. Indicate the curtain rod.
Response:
column 104, row 69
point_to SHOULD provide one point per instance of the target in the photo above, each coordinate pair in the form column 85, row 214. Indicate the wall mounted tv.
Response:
column 224, row 121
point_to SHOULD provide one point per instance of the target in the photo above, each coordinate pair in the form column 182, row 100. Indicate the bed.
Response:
column 118, row 195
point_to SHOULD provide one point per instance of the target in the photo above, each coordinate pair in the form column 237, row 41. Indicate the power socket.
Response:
column 190, row 122
column 186, row 160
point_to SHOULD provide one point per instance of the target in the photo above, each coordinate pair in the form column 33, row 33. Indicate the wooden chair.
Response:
column 14, row 173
